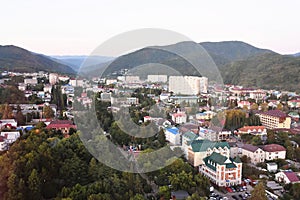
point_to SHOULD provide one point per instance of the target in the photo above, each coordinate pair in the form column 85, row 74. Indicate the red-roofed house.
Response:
column 287, row 177
column 274, row 151
column 63, row 125
column 179, row 118
column 275, row 119
column 254, row 130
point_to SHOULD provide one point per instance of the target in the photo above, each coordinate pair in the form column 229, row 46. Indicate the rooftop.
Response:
column 273, row 148
column 203, row 145
column 250, row 147
column 275, row 113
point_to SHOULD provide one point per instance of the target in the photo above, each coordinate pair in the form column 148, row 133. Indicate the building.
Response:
column 222, row 170
column 187, row 138
column 8, row 122
column 173, row 135
column 287, row 177
column 53, row 78
column 10, row 136
column 185, row 99
column 206, row 115
column 179, row 117
column 157, row 78
column 132, row 79
column 275, row 119
column 30, row 81
column 63, row 125
column 188, row 85
column 132, row 100
column 253, row 130
column 274, row 151
column 272, row 167
column 200, row 149
column 256, row 154
column 208, row 134
column 3, row 144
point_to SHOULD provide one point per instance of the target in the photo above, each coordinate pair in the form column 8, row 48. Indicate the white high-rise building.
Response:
column 53, row 78
column 188, row 85
column 157, row 78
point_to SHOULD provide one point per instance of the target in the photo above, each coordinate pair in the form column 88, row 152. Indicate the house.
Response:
column 10, row 136
column 173, row 135
column 63, row 125
column 179, row 117
column 222, row 170
column 206, row 115
column 208, row 134
column 287, row 177
column 3, row 144
column 8, row 123
column 187, row 139
column 273, row 119
column 256, row 154
column 242, row 104
column 272, row 167
column 253, row 130
column 274, row 151
column 200, row 149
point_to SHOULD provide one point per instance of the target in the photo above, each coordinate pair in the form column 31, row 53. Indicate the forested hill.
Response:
column 16, row 59
column 240, row 63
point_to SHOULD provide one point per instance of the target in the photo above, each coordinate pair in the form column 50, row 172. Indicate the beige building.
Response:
column 188, row 85
column 222, row 170
column 255, row 153
column 275, row 119
column 200, row 149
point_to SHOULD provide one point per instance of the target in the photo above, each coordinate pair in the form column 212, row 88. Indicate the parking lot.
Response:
column 223, row 194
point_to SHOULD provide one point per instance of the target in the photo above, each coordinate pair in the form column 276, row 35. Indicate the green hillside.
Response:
column 16, row 59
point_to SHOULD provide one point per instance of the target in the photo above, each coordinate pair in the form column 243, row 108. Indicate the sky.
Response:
column 69, row 27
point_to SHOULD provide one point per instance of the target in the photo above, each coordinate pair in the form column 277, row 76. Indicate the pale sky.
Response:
column 69, row 27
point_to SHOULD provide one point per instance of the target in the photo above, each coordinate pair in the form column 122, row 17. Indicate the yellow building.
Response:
column 275, row 119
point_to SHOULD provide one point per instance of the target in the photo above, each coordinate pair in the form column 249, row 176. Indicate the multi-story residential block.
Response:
column 208, row 134
column 256, row 154
column 222, row 170
column 157, row 78
column 3, row 144
column 274, row 151
column 275, row 119
column 187, row 139
column 188, row 85
column 173, row 135
column 200, row 149
column 53, row 78
column 179, row 117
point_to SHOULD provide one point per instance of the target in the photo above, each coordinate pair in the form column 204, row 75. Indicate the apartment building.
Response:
column 188, row 85
column 275, row 119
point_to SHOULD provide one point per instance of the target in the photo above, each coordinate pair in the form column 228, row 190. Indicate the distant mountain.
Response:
column 16, row 59
column 297, row 54
column 229, row 51
column 238, row 62
column 76, row 61
column 269, row 71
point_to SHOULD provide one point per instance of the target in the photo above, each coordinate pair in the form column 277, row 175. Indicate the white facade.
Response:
column 188, row 85
column 179, row 118
column 30, row 81
column 53, row 78
column 173, row 135
column 157, row 78
column 10, row 137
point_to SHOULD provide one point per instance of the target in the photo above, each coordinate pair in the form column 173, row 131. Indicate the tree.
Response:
column 296, row 190
column 34, row 183
column 164, row 192
column 48, row 112
column 20, row 118
column 279, row 106
column 259, row 193
column 254, row 106
column 6, row 111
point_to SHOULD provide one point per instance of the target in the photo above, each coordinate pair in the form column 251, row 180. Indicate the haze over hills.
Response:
column 16, row 59
column 239, row 63
column 76, row 61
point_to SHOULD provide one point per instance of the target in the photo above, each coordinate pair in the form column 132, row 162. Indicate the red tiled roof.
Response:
column 275, row 113
column 61, row 124
column 292, row 176
column 273, row 148
column 251, row 128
